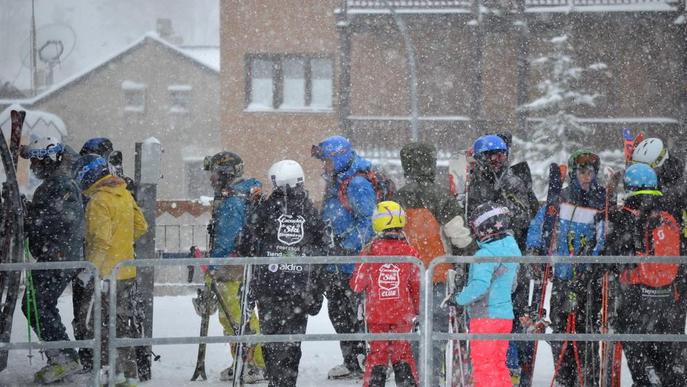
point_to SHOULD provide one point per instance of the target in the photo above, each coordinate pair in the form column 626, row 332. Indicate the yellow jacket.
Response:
column 113, row 222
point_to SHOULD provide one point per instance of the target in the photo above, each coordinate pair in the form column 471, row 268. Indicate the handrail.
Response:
column 93, row 343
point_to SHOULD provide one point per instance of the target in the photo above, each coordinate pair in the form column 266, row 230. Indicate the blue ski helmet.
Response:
column 88, row 169
column 488, row 143
column 99, row 145
column 640, row 176
column 335, row 148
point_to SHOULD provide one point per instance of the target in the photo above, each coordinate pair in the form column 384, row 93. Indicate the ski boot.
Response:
column 342, row 372
column 253, row 375
column 57, row 369
column 227, row 374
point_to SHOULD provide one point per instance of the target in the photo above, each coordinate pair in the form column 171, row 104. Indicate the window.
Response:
column 134, row 96
column 197, row 179
column 179, row 99
column 289, row 83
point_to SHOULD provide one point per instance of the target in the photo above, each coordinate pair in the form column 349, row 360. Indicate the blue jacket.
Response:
column 580, row 227
column 229, row 217
column 490, row 284
column 351, row 230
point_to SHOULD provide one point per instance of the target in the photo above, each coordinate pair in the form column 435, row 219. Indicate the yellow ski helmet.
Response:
column 388, row 215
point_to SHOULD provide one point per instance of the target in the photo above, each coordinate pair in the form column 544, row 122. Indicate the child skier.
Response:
column 488, row 293
column 392, row 292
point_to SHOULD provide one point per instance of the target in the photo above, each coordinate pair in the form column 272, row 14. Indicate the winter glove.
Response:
column 456, row 231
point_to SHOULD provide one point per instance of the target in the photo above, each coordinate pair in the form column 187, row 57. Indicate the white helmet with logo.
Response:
column 650, row 151
column 42, row 148
column 286, row 173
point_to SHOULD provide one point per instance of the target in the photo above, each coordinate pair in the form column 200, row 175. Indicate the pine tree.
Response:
column 560, row 132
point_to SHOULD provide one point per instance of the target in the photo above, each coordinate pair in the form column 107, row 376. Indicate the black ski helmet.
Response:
column 101, row 146
column 227, row 165
column 88, row 169
column 489, row 220
column 419, row 159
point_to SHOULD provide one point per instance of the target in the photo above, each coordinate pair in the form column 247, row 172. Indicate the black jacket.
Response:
column 285, row 225
column 55, row 221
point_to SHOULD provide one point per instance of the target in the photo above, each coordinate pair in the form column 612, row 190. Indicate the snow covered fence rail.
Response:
column 118, row 342
column 92, row 343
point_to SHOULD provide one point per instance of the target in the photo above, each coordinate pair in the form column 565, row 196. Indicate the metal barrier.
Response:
column 430, row 336
column 93, row 343
column 179, row 237
column 115, row 342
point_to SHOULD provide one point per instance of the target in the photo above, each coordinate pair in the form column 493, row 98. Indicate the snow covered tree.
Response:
column 559, row 132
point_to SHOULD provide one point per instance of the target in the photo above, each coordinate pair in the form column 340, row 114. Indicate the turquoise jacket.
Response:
column 487, row 293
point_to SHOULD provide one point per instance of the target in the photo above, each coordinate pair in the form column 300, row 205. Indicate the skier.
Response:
column 672, row 183
column 285, row 226
column 431, row 209
column 487, row 294
column 102, row 146
column 576, row 295
column 351, row 228
column 392, row 298
column 55, row 229
column 642, row 228
column 493, row 180
column 113, row 223
column 233, row 198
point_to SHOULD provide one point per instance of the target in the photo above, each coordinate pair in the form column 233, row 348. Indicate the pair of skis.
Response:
column 12, row 232
column 457, row 361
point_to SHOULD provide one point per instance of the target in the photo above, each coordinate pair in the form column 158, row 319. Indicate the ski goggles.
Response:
column 586, row 159
column 41, row 153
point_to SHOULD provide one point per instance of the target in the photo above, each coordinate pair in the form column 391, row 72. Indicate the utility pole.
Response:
column 34, row 50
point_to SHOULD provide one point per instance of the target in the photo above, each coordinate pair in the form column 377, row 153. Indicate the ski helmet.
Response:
column 338, row 149
column 286, row 173
column 650, row 151
column 419, row 159
column 490, row 220
column 640, row 176
column 489, row 143
column 88, row 169
column 45, row 153
column 101, row 146
column 226, row 163
column 582, row 158
column 388, row 215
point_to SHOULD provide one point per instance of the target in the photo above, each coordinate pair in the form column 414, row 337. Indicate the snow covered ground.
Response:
column 174, row 316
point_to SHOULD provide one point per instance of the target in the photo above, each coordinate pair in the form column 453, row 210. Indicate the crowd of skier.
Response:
column 85, row 208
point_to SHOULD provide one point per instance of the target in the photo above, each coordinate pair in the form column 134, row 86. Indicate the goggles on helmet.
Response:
column 41, row 153
column 586, row 160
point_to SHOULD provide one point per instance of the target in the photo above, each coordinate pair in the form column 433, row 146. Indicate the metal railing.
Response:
column 115, row 342
column 431, row 336
column 93, row 343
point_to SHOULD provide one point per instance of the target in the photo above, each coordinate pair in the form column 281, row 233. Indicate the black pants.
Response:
column 342, row 305
column 582, row 297
column 49, row 286
column 648, row 310
column 680, row 317
column 82, row 302
column 282, row 359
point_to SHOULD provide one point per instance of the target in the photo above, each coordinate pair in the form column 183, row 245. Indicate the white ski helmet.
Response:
column 285, row 173
column 42, row 148
column 650, row 151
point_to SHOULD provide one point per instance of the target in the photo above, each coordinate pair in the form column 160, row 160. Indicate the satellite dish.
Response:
column 54, row 43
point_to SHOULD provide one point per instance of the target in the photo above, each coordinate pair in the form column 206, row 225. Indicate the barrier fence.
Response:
column 425, row 337
column 93, row 343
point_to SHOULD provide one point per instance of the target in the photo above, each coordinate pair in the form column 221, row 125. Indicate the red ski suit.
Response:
column 392, row 301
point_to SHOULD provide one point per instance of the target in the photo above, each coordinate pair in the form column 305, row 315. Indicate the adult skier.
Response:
column 113, row 223
column 351, row 229
column 576, row 289
column 433, row 215
column 233, row 198
column 647, row 298
column 494, row 180
column 672, row 183
column 55, row 229
column 286, row 226
column 487, row 294
column 392, row 298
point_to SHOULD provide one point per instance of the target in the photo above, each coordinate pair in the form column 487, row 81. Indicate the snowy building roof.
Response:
column 208, row 55
column 149, row 37
column 464, row 6
column 36, row 122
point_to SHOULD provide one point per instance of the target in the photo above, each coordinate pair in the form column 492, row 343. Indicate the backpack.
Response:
column 424, row 232
column 661, row 238
column 382, row 184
